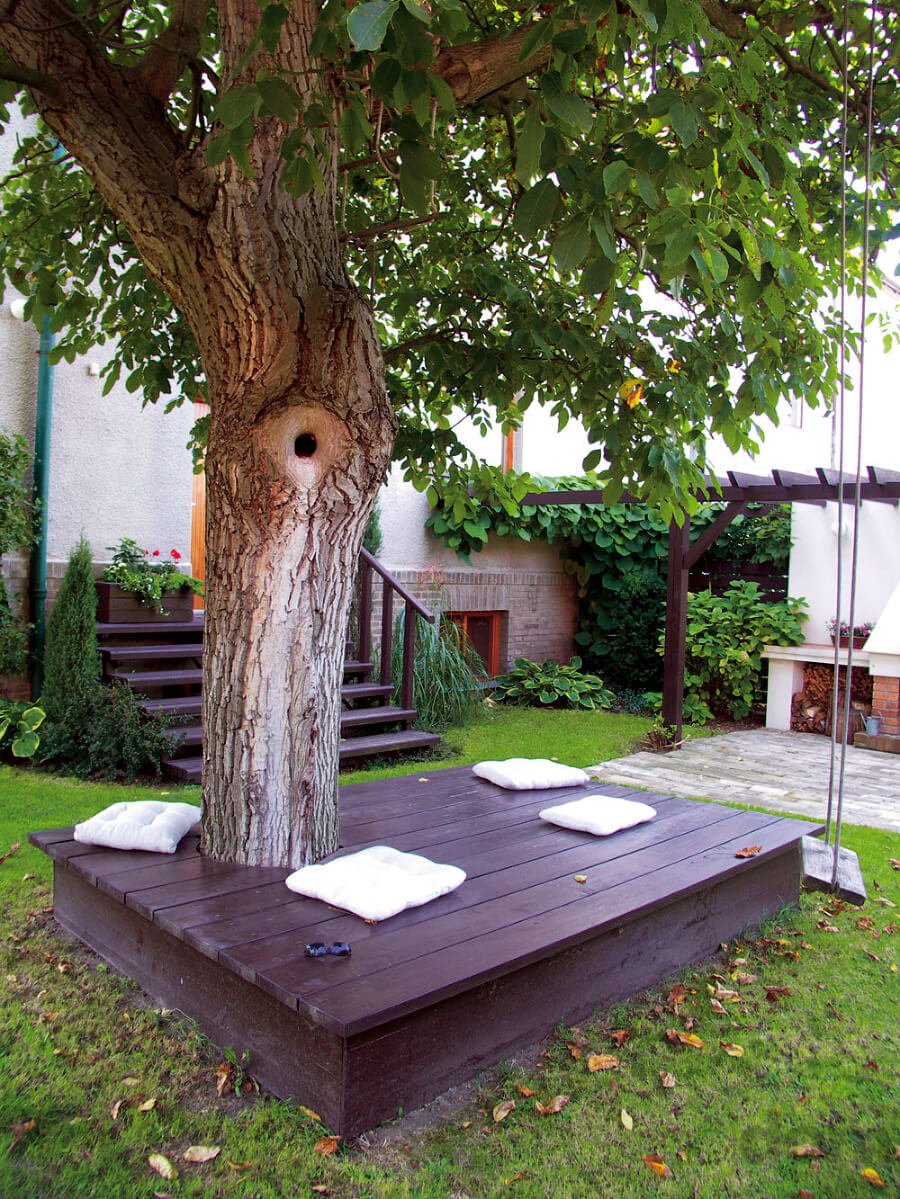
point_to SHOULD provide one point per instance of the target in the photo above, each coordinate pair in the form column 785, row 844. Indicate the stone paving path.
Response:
column 787, row 772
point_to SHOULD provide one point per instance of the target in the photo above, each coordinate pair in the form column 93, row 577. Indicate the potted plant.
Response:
column 840, row 630
column 141, row 585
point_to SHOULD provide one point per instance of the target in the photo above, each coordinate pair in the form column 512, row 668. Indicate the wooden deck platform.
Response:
column 436, row 993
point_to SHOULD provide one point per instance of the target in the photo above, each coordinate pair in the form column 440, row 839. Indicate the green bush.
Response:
column 104, row 733
column 71, row 657
column 552, row 685
column 725, row 639
column 446, row 672
column 19, row 723
column 16, row 532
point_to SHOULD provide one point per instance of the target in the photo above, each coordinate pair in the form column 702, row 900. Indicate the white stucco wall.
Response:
column 116, row 469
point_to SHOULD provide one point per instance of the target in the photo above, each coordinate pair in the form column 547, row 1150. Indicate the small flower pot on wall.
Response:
column 115, row 606
column 858, row 642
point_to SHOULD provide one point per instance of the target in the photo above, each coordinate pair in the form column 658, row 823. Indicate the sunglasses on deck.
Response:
column 316, row 949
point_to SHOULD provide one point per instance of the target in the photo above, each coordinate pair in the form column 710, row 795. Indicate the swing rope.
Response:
column 842, row 718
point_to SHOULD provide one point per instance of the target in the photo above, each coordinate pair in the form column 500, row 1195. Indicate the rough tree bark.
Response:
column 302, row 428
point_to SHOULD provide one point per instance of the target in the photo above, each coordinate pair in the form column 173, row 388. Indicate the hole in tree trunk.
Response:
column 305, row 445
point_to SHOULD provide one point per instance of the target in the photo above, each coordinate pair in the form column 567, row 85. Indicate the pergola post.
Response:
column 676, row 624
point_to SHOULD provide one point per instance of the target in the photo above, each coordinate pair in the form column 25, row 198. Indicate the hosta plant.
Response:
column 552, row 685
column 19, row 722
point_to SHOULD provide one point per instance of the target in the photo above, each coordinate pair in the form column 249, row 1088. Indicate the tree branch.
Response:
column 477, row 69
column 166, row 61
column 30, row 79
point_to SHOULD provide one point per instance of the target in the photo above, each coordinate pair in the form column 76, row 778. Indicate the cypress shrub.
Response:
column 71, row 657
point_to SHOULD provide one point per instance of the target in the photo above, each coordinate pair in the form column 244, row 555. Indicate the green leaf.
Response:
column 368, row 23
column 217, row 150
column 537, row 208
column 273, row 17
column 442, row 91
column 751, row 251
column 25, row 745
column 420, row 11
column 528, row 145
column 684, row 120
column 420, row 160
column 537, row 36
column 237, row 105
column 597, row 276
column 616, row 176
column 278, row 98
column 566, row 106
column 572, row 244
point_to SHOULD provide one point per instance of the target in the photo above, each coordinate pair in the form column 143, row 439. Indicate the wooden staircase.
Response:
column 164, row 662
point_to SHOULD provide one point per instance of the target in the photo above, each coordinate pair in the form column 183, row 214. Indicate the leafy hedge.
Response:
column 617, row 556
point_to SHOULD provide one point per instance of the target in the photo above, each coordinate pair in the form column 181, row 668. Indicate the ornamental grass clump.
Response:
column 446, row 672
column 146, row 573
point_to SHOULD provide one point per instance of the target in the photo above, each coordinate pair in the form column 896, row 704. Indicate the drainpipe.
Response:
column 37, row 590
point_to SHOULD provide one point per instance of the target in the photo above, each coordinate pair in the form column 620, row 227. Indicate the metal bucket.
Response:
column 873, row 725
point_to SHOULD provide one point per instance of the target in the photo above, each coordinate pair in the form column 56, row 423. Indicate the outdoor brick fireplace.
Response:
column 886, row 703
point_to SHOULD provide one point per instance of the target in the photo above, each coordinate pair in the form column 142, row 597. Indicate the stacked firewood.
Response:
column 811, row 708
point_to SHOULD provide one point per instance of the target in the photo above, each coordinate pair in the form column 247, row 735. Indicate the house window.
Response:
column 482, row 630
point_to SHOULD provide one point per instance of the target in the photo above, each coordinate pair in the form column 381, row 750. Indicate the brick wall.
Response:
column 538, row 608
column 886, row 703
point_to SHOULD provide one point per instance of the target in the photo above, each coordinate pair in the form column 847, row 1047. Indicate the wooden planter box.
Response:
column 115, row 606
column 858, row 641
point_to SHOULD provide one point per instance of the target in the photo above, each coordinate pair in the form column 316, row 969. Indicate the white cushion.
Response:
column 599, row 814
column 376, row 883
column 530, row 774
column 147, row 824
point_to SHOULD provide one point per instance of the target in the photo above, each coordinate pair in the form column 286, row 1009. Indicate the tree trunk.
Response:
column 290, row 488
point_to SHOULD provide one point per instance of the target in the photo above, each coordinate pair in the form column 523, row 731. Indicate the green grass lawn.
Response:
column 109, row 1081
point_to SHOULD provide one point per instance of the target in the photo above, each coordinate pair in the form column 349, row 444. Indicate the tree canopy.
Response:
column 629, row 210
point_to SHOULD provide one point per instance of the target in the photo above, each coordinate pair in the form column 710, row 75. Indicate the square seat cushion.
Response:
column 530, row 774
column 147, row 824
column 599, row 814
column 376, row 883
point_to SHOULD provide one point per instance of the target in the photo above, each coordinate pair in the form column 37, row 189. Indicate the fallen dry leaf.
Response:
column 602, row 1061
column 675, row 997
column 244, row 1165
column 515, row 1178
column 802, row 1194
column 198, row 1154
column 717, row 1007
column 163, row 1167
column 147, row 1106
column 684, row 1038
column 681, row 1155
column 575, row 1051
column 627, row 1121
column 826, row 927
column 524, row 1090
column 502, row 1110
column 21, row 1130
column 555, row 1105
column 131, row 1082
column 114, row 1110
column 620, row 1036
column 308, row 1111
column 321, row 1189
column 872, row 1176
column 13, row 849
column 667, row 1079
column 895, row 863
column 806, row 1151
column 657, row 1165
column 326, row 1146
column 731, row 1049
column 749, row 851
column 743, row 978
column 773, row 994
column 224, row 1071
column 580, row 878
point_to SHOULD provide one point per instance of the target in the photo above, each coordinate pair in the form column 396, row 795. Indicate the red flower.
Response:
column 175, row 554
column 156, row 553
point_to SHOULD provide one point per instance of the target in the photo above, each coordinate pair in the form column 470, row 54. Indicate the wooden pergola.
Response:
column 879, row 485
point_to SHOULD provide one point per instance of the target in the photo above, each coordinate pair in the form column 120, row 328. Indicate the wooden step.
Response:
column 185, row 734
column 350, row 692
column 354, row 667
column 189, row 770
column 183, row 705
column 406, row 741
column 384, row 714
column 132, row 653
column 159, row 678
column 135, row 628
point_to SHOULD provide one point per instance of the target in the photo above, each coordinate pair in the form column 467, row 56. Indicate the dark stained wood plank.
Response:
column 435, row 976
column 214, row 878
column 453, row 1040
